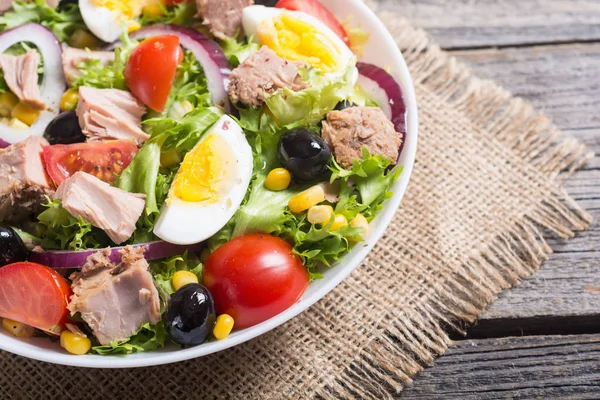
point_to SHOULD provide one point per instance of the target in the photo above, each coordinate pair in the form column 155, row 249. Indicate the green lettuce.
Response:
column 148, row 338
column 181, row 14
column 237, row 51
column 62, row 231
column 62, row 21
column 163, row 272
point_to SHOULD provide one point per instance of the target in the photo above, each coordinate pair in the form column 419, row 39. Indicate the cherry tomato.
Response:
column 35, row 295
column 319, row 11
column 101, row 159
column 254, row 277
column 151, row 68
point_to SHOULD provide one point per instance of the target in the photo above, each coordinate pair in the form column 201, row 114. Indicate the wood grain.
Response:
column 486, row 23
column 542, row 367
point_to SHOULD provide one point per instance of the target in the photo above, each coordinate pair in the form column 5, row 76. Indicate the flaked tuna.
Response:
column 72, row 58
column 115, row 300
column 106, row 114
column 23, row 180
column 223, row 17
column 21, row 76
column 104, row 206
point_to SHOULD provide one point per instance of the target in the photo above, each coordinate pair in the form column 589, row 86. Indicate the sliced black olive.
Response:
column 190, row 315
column 64, row 129
column 268, row 3
column 342, row 105
column 305, row 154
column 12, row 248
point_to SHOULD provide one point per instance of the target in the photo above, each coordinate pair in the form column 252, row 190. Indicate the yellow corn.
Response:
column 69, row 100
column 25, row 113
column 182, row 278
column 223, row 326
column 153, row 9
column 360, row 222
column 133, row 26
column 339, row 222
column 82, row 39
column 320, row 215
column 170, row 158
column 17, row 124
column 74, row 343
column 8, row 101
column 17, row 329
column 305, row 200
column 278, row 179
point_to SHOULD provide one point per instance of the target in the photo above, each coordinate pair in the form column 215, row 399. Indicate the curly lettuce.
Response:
column 237, row 51
column 181, row 14
column 148, row 338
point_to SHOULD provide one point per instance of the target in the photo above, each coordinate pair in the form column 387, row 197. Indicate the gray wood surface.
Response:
column 537, row 367
column 548, row 52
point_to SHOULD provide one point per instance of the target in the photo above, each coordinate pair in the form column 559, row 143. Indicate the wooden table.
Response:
column 542, row 339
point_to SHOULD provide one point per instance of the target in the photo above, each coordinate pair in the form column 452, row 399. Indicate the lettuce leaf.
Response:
column 148, row 338
column 62, row 21
column 62, row 231
column 163, row 272
column 181, row 14
column 237, row 51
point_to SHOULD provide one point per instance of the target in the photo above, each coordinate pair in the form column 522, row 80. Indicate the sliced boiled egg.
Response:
column 297, row 36
column 209, row 186
column 108, row 18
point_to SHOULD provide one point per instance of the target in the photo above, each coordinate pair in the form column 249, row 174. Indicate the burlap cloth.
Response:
column 484, row 192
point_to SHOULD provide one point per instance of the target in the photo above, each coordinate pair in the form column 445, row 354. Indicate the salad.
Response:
column 171, row 170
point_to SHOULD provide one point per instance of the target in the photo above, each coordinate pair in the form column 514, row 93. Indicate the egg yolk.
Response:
column 206, row 173
column 129, row 8
column 293, row 39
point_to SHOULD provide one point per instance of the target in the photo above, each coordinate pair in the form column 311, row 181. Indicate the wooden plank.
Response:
column 544, row 367
column 485, row 23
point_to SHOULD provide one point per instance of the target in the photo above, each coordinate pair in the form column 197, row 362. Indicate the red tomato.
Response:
column 101, row 159
column 151, row 68
column 254, row 277
column 35, row 295
column 317, row 10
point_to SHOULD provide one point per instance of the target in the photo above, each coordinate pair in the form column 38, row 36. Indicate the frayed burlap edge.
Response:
column 402, row 348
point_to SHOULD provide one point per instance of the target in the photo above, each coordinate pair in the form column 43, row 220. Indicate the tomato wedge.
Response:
column 319, row 11
column 35, row 295
column 104, row 160
column 151, row 69
column 254, row 277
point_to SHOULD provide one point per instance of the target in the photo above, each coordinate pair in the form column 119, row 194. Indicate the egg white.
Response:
column 185, row 223
column 101, row 21
column 253, row 16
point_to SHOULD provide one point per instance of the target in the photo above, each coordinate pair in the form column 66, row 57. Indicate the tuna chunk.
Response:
column 72, row 58
column 23, row 180
column 106, row 207
column 106, row 114
column 263, row 73
column 21, row 75
column 115, row 300
column 223, row 17
column 349, row 130
column 5, row 5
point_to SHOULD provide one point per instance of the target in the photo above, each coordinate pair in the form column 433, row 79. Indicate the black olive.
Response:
column 12, row 248
column 64, row 129
column 305, row 154
column 268, row 3
column 342, row 105
column 190, row 315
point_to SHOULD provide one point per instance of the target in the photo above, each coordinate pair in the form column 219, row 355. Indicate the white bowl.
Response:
column 381, row 51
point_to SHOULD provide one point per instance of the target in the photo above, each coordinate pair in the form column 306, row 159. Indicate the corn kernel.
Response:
column 133, row 26
column 223, row 326
column 182, row 278
column 320, row 215
column 153, row 9
column 278, row 179
column 82, row 39
column 18, row 329
column 74, row 343
column 305, row 200
column 8, row 101
column 25, row 113
column 69, row 100
column 360, row 222
column 338, row 222
column 17, row 124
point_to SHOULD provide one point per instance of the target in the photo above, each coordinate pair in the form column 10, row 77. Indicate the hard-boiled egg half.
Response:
column 209, row 186
column 107, row 18
column 297, row 36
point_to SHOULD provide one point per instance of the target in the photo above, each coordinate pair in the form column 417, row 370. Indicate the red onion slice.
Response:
column 208, row 53
column 4, row 144
column 53, row 82
column 75, row 259
column 382, row 88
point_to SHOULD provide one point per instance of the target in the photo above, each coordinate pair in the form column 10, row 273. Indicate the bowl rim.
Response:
column 31, row 348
